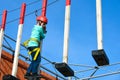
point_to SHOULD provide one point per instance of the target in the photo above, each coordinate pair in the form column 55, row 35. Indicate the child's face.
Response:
column 41, row 23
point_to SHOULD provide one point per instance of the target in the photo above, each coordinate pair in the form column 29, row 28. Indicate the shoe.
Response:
column 35, row 74
column 27, row 74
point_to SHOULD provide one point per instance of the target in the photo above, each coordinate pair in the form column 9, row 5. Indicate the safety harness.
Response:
column 32, row 39
column 37, row 50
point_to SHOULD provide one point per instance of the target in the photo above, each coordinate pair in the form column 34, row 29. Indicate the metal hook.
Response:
column 36, row 13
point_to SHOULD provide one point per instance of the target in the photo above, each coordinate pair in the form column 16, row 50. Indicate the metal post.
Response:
column 99, row 24
column 15, row 63
column 66, row 31
column 38, row 70
column 2, row 30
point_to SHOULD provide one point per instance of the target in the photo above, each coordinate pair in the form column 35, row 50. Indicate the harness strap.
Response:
column 37, row 50
column 32, row 39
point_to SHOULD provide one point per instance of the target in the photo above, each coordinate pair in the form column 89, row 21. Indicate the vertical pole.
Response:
column 66, row 31
column 99, row 24
column 2, row 30
column 43, row 13
column 44, row 6
column 15, row 63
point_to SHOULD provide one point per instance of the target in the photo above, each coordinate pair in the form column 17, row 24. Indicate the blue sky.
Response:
column 82, row 37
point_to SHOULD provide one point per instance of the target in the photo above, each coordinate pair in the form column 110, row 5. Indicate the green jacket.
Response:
column 38, row 34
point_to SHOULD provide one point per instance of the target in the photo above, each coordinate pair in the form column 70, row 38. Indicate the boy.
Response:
column 37, row 35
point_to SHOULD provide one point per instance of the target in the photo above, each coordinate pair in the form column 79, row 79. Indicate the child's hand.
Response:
column 44, row 29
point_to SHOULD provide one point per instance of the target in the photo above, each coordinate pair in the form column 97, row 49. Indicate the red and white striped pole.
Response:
column 16, row 56
column 66, row 31
column 43, row 13
column 2, row 30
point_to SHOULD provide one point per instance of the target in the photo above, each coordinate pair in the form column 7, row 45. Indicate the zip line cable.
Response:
column 41, row 8
column 31, row 3
column 7, row 42
column 13, row 40
column 93, row 73
column 102, row 75
column 30, row 13
column 81, row 65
